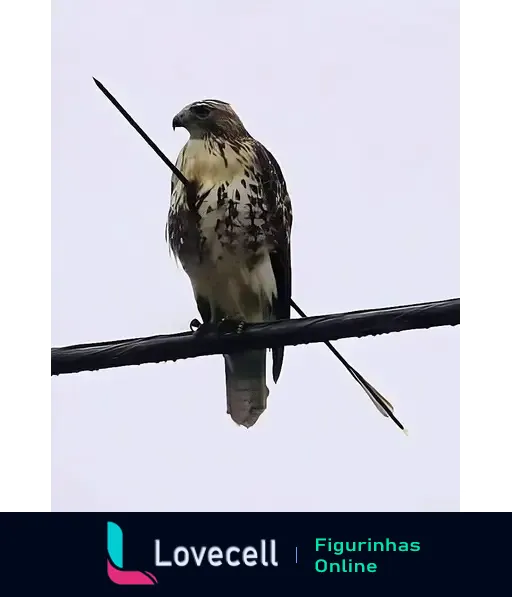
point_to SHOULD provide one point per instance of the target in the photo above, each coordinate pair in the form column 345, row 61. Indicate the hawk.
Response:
column 230, row 229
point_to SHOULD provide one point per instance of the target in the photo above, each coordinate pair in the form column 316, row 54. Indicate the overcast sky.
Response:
column 359, row 103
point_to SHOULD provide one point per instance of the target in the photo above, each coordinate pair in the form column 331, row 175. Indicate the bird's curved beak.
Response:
column 177, row 121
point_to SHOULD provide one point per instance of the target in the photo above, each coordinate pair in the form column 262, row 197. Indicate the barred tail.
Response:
column 246, row 389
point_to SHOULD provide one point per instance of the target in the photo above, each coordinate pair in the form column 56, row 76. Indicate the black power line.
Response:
column 322, row 328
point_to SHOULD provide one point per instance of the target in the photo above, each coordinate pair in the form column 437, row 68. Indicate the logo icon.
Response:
column 115, row 570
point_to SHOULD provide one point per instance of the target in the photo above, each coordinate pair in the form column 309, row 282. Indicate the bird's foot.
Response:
column 200, row 329
column 229, row 325
column 226, row 325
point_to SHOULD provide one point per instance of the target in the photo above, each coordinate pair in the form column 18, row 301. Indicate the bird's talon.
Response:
column 228, row 325
column 195, row 325
column 200, row 329
column 225, row 325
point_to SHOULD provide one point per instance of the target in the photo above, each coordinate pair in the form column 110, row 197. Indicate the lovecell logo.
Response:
column 115, row 570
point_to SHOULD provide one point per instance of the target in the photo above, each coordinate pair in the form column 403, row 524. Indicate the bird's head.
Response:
column 209, row 117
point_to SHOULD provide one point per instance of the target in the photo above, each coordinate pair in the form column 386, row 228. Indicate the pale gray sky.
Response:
column 359, row 103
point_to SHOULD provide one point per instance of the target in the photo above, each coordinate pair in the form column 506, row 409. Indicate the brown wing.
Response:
column 279, row 224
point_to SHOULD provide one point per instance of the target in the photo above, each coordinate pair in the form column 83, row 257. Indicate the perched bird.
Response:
column 230, row 229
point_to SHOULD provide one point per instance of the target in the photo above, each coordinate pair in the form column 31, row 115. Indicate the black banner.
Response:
column 188, row 553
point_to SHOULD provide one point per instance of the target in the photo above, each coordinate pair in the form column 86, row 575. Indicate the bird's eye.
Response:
column 200, row 111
